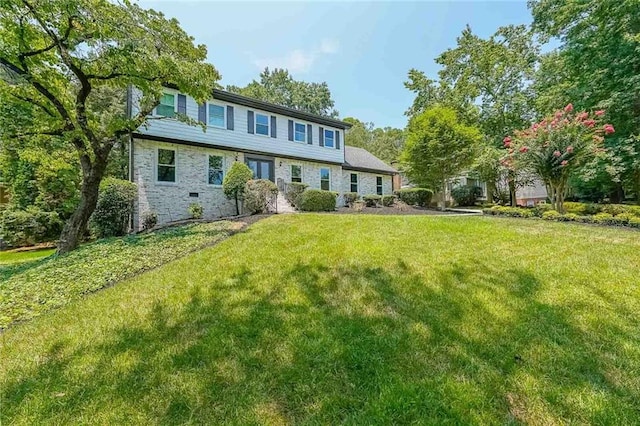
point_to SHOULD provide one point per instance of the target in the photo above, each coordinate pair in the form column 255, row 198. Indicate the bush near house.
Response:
column 371, row 200
column 257, row 194
column 195, row 211
column 388, row 200
column 294, row 190
column 350, row 198
column 465, row 195
column 317, row 200
column 115, row 207
column 149, row 220
column 415, row 196
column 19, row 228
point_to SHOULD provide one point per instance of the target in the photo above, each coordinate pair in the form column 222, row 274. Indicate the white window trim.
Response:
column 224, row 116
column 305, row 132
column 157, row 164
column 175, row 104
column 206, row 168
column 255, row 124
column 324, row 137
column 301, row 172
column 357, row 181
column 320, row 171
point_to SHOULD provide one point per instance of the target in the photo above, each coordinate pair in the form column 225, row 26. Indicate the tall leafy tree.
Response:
column 59, row 58
column 439, row 147
column 279, row 87
column 599, row 64
column 385, row 143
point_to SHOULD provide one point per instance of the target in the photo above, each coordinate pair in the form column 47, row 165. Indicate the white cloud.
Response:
column 298, row 60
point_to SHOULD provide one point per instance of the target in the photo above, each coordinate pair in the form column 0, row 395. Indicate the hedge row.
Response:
column 415, row 196
column 317, row 200
column 622, row 219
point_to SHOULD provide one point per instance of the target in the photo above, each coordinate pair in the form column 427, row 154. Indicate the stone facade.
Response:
column 171, row 201
column 367, row 184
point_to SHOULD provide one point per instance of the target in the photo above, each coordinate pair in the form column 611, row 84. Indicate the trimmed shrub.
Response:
column 388, row 200
column 568, row 217
column 634, row 222
column 195, row 211
column 149, row 220
column 633, row 210
column 415, row 196
column 603, row 219
column 540, row 209
column 350, row 198
column 19, row 228
column 466, row 195
column 294, row 190
column 257, row 194
column 614, row 209
column 234, row 182
column 372, row 200
column 115, row 206
column 584, row 219
column 551, row 215
column 317, row 200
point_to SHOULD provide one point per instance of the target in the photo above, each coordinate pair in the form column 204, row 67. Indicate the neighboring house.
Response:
column 175, row 164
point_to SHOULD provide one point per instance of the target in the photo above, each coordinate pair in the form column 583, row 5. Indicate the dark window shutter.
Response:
column 274, row 133
column 321, row 136
column 202, row 113
column 230, row 121
column 337, row 133
column 182, row 104
column 309, row 134
column 290, row 130
column 250, row 126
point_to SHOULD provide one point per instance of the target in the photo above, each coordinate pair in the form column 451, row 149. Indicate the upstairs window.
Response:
column 167, row 106
column 215, row 170
column 296, row 173
column 329, row 136
column 166, row 165
column 216, row 116
column 354, row 182
column 379, row 185
column 300, row 134
column 325, row 179
column 262, row 124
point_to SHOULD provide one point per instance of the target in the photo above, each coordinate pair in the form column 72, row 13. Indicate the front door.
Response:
column 262, row 169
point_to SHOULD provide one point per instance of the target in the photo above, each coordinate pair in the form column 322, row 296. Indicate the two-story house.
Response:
column 176, row 164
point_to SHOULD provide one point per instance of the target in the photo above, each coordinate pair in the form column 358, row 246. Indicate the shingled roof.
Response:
column 362, row 160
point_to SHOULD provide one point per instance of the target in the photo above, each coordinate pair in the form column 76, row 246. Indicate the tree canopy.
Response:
column 279, row 87
column 60, row 61
column 385, row 143
column 439, row 147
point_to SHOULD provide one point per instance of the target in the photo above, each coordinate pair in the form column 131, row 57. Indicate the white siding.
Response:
column 240, row 139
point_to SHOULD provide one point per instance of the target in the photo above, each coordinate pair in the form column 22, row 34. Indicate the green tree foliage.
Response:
column 596, row 66
column 279, row 87
column 557, row 147
column 385, row 143
column 487, row 81
column 57, row 61
column 235, row 181
column 439, row 147
column 115, row 207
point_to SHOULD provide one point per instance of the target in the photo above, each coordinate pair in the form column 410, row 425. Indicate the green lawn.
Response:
column 327, row 319
column 13, row 257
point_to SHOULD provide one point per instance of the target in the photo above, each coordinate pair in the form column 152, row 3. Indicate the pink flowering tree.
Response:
column 557, row 147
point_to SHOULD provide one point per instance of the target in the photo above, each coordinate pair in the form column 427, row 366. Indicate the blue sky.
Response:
column 363, row 50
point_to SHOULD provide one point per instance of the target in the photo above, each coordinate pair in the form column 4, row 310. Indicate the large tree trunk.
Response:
column 76, row 226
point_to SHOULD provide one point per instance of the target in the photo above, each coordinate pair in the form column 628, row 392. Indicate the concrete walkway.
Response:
column 283, row 205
